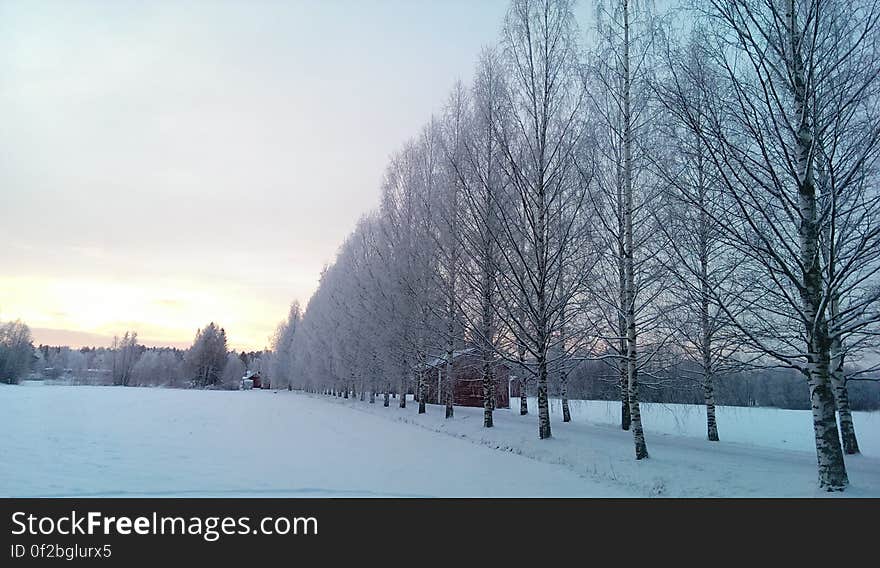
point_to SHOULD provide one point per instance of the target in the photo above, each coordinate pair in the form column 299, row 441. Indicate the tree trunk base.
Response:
column 638, row 433
column 829, row 453
column 544, row 432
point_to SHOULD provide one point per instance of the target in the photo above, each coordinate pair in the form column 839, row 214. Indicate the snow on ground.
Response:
column 77, row 441
column 768, row 427
column 756, row 462
column 116, row 441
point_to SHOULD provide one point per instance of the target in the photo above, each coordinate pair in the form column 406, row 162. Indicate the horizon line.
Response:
column 78, row 339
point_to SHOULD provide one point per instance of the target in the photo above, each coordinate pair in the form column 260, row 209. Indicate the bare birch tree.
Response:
column 707, row 273
column 799, row 89
column 475, row 163
column 619, row 100
column 545, row 94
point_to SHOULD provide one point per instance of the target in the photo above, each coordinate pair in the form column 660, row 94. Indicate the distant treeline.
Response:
column 208, row 363
column 140, row 366
column 780, row 388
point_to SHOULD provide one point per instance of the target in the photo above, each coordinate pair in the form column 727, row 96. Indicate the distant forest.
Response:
column 780, row 388
column 208, row 363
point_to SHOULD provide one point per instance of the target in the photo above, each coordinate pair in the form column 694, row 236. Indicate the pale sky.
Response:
column 164, row 164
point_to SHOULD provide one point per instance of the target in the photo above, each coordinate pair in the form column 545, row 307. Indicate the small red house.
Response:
column 258, row 382
column 468, row 387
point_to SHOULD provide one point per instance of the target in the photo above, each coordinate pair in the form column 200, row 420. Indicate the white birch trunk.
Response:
column 641, row 447
column 523, row 398
column 705, row 299
column 566, row 413
column 404, row 384
column 421, row 392
column 841, row 394
column 831, row 467
column 449, row 383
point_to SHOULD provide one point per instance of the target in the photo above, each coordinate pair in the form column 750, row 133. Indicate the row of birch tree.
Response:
column 698, row 179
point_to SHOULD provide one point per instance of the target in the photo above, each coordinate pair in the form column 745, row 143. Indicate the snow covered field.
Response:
column 115, row 441
column 102, row 441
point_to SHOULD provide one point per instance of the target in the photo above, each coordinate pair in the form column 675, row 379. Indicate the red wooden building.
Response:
column 259, row 383
column 468, row 387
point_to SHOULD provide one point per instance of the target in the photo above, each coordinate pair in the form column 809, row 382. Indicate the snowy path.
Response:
column 102, row 441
